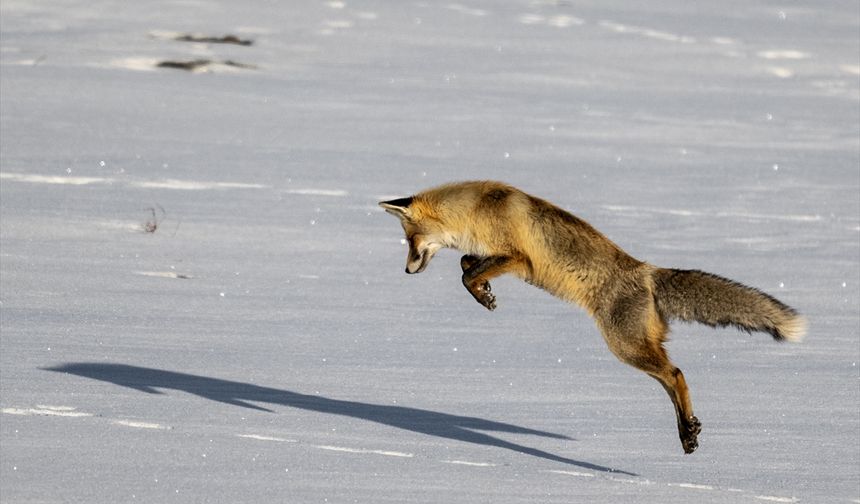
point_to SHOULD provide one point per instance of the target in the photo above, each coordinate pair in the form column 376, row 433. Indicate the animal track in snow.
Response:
column 200, row 44
column 200, row 38
column 204, row 65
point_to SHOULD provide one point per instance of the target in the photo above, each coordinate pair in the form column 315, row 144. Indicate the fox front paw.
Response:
column 485, row 296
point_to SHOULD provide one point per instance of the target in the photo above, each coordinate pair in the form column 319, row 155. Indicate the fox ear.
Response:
column 398, row 207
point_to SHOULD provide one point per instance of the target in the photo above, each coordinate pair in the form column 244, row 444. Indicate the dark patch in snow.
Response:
column 202, row 64
column 226, row 39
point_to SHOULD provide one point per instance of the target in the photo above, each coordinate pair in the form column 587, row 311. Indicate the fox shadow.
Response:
column 431, row 423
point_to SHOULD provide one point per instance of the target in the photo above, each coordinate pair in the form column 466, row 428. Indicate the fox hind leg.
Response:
column 675, row 385
column 638, row 341
column 656, row 363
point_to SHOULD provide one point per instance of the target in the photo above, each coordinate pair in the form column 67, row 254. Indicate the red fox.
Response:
column 504, row 230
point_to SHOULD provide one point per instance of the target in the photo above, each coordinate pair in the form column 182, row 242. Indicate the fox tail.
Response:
column 696, row 296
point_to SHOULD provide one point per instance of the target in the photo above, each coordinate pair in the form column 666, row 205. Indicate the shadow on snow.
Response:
column 432, row 423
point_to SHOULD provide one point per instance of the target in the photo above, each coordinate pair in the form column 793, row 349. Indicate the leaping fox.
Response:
column 504, row 230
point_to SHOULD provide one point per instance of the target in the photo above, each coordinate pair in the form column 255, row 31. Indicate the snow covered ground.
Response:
column 262, row 343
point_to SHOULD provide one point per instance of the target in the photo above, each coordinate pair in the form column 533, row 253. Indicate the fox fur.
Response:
column 501, row 229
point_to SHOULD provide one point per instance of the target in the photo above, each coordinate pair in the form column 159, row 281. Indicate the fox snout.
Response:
column 413, row 267
column 418, row 258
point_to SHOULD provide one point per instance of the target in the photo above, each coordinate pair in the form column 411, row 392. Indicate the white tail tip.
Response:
column 794, row 329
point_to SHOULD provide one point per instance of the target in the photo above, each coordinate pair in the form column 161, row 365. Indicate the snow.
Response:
column 262, row 343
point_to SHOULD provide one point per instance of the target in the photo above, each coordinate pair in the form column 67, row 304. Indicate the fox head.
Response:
column 424, row 231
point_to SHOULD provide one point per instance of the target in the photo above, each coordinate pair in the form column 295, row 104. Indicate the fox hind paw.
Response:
column 690, row 435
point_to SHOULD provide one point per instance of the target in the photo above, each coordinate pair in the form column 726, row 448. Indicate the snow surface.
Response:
column 263, row 343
